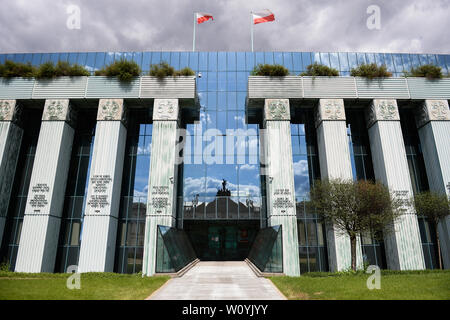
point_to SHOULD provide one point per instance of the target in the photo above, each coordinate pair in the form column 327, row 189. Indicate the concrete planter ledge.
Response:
column 297, row 87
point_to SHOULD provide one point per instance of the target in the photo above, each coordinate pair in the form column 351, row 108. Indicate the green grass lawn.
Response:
column 94, row 286
column 408, row 285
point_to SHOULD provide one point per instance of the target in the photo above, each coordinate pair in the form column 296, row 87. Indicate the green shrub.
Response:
column 429, row 71
column 162, row 70
column 316, row 69
column 123, row 69
column 370, row 71
column 10, row 69
column 185, row 72
column 272, row 70
column 62, row 69
column 46, row 70
column 78, row 70
column 5, row 266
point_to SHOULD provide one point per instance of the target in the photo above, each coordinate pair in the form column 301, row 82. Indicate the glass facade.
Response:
column 173, row 250
column 267, row 252
column 222, row 146
column 419, row 183
column 16, row 210
column 244, row 62
column 133, row 205
column 311, row 229
column 76, row 190
column 362, row 168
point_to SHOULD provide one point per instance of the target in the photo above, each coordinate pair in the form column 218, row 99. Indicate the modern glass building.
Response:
column 90, row 176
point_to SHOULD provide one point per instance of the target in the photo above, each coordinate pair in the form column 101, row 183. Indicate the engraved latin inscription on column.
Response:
column 160, row 198
column 403, row 196
column 99, row 196
column 282, row 199
column 39, row 199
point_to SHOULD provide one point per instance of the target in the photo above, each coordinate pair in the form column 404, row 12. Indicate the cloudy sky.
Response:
column 301, row 25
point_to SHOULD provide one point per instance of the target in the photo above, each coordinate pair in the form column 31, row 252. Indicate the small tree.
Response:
column 434, row 206
column 355, row 207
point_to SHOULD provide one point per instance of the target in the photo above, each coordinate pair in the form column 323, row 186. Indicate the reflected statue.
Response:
column 224, row 192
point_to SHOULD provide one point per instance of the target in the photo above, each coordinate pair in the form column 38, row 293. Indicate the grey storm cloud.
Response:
column 301, row 25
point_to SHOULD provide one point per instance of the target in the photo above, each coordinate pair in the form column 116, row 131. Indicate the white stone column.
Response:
column 10, row 142
column 41, row 223
column 280, row 188
column 434, row 133
column 403, row 244
column 162, row 190
column 335, row 163
column 98, row 235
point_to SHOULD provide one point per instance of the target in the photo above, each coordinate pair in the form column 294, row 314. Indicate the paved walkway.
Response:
column 217, row 280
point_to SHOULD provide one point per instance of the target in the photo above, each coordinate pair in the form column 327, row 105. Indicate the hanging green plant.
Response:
column 185, row 72
column 370, row 71
column 163, row 69
column 62, row 69
column 270, row 70
column 10, row 69
column 428, row 71
column 124, row 70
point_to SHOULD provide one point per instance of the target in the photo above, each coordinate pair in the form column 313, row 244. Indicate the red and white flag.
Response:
column 263, row 16
column 203, row 17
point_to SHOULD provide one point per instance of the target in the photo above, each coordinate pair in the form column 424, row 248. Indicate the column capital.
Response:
column 166, row 110
column 329, row 110
column 10, row 111
column 382, row 110
column 111, row 110
column 432, row 110
column 277, row 110
column 59, row 110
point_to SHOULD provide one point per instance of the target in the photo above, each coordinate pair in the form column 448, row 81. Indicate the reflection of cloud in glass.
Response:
column 206, row 118
column 248, row 167
column 301, row 128
column 301, row 168
column 301, row 178
column 239, row 118
column 140, row 195
column 146, row 150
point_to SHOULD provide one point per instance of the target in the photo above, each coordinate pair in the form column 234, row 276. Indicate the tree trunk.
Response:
column 353, row 251
column 438, row 244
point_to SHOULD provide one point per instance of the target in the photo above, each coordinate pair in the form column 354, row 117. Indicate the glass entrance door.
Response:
column 221, row 240
column 222, row 243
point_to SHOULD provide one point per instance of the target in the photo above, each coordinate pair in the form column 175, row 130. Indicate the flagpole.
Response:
column 251, row 27
column 193, row 40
